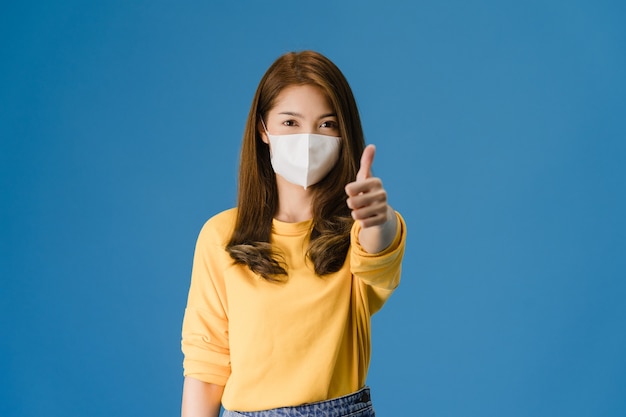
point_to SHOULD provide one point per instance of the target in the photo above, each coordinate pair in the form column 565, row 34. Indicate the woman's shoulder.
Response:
column 220, row 226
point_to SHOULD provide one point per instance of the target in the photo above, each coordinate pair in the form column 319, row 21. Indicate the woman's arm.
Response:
column 201, row 399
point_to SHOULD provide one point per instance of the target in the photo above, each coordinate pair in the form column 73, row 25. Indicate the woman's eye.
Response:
column 330, row 124
column 289, row 123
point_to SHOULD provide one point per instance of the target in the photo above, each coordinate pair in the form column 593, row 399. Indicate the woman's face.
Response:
column 301, row 109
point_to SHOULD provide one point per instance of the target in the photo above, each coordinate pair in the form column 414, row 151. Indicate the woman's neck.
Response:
column 294, row 202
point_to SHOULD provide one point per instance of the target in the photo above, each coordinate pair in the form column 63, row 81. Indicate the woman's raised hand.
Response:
column 368, row 201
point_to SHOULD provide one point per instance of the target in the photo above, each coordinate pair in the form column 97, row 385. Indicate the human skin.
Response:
column 201, row 399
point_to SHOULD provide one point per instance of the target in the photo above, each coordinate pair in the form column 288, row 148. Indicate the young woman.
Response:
column 283, row 286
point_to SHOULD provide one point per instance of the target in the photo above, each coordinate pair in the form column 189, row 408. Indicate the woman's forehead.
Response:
column 302, row 100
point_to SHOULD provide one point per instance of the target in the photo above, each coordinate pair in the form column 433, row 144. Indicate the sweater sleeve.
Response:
column 379, row 272
column 205, row 342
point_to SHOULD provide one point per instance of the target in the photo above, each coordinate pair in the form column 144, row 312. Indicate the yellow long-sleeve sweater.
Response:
column 275, row 345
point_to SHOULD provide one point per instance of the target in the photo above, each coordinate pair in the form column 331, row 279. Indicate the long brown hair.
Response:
column 258, row 193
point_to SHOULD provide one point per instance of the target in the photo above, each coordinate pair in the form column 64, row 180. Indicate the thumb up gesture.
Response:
column 368, row 200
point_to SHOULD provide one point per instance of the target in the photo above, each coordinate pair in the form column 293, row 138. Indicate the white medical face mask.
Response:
column 304, row 158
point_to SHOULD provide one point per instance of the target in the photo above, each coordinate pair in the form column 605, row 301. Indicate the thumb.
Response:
column 365, row 171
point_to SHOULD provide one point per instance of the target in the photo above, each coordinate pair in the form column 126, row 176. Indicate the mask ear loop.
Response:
column 267, row 133
column 263, row 123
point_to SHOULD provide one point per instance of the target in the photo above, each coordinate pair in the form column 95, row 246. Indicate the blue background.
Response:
column 501, row 139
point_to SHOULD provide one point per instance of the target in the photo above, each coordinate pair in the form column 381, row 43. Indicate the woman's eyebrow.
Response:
column 290, row 113
column 294, row 114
